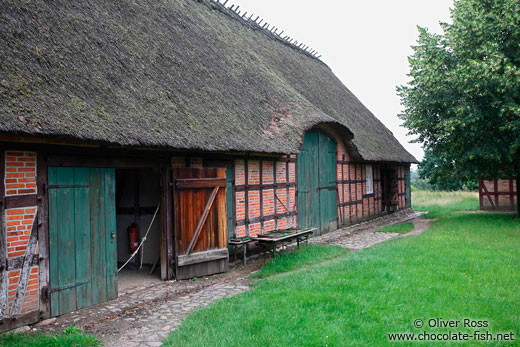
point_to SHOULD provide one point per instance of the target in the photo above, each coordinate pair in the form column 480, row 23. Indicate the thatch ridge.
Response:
column 179, row 74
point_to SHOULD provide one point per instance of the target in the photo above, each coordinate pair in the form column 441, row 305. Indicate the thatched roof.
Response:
column 173, row 74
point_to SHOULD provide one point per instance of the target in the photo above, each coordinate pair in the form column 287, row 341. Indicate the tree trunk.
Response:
column 518, row 193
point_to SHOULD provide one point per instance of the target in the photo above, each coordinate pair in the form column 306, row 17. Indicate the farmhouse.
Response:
column 181, row 123
column 498, row 194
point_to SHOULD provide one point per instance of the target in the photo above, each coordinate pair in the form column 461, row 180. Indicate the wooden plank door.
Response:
column 308, row 182
column 200, row 222
column 327, row 184
column 82, row 243
column 317, row 204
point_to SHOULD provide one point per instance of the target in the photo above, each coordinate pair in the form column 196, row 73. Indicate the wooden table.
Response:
column 270, row 241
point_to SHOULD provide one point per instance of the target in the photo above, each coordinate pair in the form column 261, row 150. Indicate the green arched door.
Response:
column 317, row 183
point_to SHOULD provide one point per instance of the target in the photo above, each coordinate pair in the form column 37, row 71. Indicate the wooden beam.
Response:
column 241, row 188
column 20, row 200
column 261, row 197
column 13, row 322
column 203, row 219
column 265, row 218
column 43, row 234
column 246, row 195
column 4, row 306
column 202, row 257
column 200, row 183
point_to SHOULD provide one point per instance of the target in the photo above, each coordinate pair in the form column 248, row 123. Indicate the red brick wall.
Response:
column 20, row 173
column 20, row 179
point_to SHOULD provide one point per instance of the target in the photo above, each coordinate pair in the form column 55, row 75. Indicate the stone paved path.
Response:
column 144, row 316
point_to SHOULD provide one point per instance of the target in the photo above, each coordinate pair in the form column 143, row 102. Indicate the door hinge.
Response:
column 68, row 286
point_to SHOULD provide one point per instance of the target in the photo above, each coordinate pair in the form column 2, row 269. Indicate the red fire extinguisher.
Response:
column 133, row 237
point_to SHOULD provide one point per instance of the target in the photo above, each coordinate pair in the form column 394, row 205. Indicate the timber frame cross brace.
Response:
column 203, row 219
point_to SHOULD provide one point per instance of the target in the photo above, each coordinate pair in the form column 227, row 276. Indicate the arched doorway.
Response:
column 317, row 183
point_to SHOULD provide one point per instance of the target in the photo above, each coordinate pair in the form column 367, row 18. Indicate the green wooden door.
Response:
column 317, row 183
column 82, row 227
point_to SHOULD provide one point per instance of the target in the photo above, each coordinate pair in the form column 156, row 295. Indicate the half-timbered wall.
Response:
column 264, row 195
column 19, row 287
column 354, row 203
column 497, row 194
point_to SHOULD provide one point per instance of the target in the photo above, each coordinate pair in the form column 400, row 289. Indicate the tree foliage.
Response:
column 463, row 99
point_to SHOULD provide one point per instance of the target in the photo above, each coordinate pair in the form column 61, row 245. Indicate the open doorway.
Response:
column 138, row 194
column 389, row 189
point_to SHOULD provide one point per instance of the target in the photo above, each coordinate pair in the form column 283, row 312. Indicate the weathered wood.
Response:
column 201, row 257
column 200, row 221
column 82, row 243
column 167, row 245
column 246, row 195
column 14, row 322
column 43, row 234
column 16, row 309
column 203, row 219
column 200, row 183
column 20, row 200
column 17, row 263
column 4, row 306
column 261, row 176
column 221, row 210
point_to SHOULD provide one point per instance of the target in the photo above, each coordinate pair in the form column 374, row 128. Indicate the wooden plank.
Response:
column 43, row 234
column 53, row 242
column 261, row 193
column 4, row 306
column 221, row 215
column 200, row 257
column 246, row 194
column 110, row 232
column 21, row 201
column 167, row 271
column 82, row 254
column 200, row 183
column 97, row 231
column 14, row 322
column 66, row 243
column 202, row 221
column 265, row 186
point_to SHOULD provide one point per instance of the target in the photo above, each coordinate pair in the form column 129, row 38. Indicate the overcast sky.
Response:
column 366, row 43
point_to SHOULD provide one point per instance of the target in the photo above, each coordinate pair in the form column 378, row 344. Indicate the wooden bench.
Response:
column 238, row 243
column 270, row 241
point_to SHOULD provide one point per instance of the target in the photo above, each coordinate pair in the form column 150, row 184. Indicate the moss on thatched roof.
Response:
column 180, row 74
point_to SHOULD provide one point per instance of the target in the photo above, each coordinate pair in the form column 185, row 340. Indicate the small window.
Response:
column 370, row 179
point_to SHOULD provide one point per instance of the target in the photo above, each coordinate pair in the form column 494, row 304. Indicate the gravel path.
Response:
column 145, row 315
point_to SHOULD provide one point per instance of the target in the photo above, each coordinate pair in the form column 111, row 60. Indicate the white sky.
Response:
column 366, row 43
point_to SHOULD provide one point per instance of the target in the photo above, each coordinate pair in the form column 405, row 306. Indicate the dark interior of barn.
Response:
column 137, row 201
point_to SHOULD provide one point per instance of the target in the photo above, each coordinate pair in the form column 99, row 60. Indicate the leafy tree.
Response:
column 463, row 100
column 431, row 168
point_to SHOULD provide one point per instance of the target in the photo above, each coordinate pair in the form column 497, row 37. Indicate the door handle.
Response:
column 112, row 235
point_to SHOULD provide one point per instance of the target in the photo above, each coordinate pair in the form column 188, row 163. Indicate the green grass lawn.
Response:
column 465, row 266
column 401, row 228
column 72, row 336
column 305, row 256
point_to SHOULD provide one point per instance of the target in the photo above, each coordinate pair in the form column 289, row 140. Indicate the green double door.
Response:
column 317, row 183
column 82, row 237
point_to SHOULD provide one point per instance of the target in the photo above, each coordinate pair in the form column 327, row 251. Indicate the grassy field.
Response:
column 72, row 336
column 464, row 267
